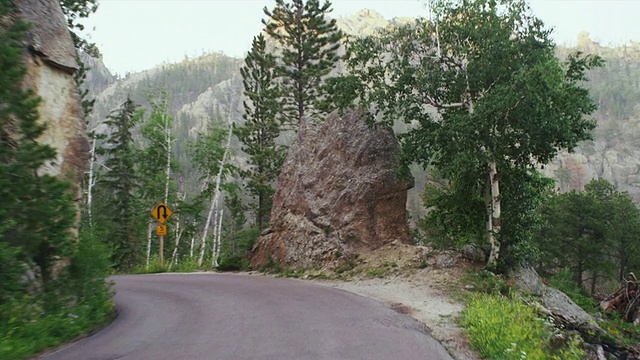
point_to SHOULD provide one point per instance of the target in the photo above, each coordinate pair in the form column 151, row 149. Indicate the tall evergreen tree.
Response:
column 261, row 128
column 310, row 45
column 120, row 186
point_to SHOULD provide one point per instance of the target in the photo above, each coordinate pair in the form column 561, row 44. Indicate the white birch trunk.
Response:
column 149, row 227
column 178, row 236
column 217, row 240
column 213, row 238
column 91, row 182
column 494, row 214
column 216, row 195
column 167, row 138
column 219, row 235
column 193, row 243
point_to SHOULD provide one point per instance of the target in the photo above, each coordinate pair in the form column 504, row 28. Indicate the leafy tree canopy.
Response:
column 483, row 92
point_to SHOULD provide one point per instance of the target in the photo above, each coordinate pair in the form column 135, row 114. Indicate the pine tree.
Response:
column 120, row 186
column 310, row 45
column 261, row 128
column 37, row 209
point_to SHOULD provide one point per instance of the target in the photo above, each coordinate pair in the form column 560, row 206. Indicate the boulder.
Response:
column 553, row 301
column 338, row 193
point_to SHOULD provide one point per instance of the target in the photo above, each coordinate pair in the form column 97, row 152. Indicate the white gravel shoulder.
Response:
column 421, row 296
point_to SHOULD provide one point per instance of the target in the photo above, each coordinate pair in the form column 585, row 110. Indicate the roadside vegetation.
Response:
column 53, row 270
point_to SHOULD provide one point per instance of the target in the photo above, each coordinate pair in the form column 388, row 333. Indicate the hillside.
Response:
column 211, row 84
column 614, row 154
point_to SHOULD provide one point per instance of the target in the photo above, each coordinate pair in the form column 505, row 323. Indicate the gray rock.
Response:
column 338, row 193
column 560, row 304
column 553, row 300
column 473, row 252
column 529, row 281
column 445, row 260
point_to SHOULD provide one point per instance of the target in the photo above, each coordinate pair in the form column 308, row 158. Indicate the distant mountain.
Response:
column 614, row 154
column 208, row 88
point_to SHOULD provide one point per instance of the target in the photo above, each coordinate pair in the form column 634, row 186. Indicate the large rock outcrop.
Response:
column 51, row 64
column 339, row 193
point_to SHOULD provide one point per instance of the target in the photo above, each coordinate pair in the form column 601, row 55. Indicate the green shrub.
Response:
column 233, row 263
column 154, row 267
column 77, row 302
column 185, row 265
column 10, row 272
column 501, row 328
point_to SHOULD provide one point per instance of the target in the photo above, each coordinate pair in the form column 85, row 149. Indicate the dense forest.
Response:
column 523, row 149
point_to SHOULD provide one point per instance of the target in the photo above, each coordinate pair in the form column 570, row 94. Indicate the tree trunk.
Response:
column 217, row 239
column 149, row 227
column 493, row 214
column 193, row 243
column 167, row 137
column 260, row 211
column 213, row 238
column 216, row 196
column 91, row 182
column 178, row 235
column 579, row 271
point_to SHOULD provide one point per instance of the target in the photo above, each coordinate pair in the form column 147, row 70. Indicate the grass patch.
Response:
column 379, row 272
column 502, row 328
column 185, row 266
column 154, row 267
column 31, row 324
column 485, row 281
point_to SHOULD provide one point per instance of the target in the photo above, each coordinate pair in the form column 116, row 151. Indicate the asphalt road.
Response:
column 229, row 316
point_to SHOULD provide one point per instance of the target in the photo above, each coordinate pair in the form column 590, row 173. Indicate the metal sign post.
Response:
column 161, row 213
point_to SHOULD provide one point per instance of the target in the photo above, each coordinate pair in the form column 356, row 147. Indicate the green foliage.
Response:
column 485, row 281
column 576, row 225
column 76, row 302
column 157, row 141
column 261, row 128
column 153, row 268
column 36, row 219
column 119, row 189
column 37, row 210
column 185, row 266
column 10, row 272
column 233, row 263
column 310, row 45
column 497, row 95
column 502, row 328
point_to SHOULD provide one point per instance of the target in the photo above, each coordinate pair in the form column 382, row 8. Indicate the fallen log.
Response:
column 625, row 301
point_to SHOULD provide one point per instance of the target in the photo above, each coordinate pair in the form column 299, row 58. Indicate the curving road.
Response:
column 228, row 316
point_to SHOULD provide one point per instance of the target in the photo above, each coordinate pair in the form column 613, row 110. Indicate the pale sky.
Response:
column 135, row 35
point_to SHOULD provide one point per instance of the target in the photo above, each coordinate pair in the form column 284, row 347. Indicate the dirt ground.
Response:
column 416, row 281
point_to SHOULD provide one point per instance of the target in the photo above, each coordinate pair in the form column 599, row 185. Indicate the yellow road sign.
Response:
column 161, row 230
column 161, row 212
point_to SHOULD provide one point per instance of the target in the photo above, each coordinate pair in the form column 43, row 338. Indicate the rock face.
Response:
column 338, row 194
column 51, row 63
